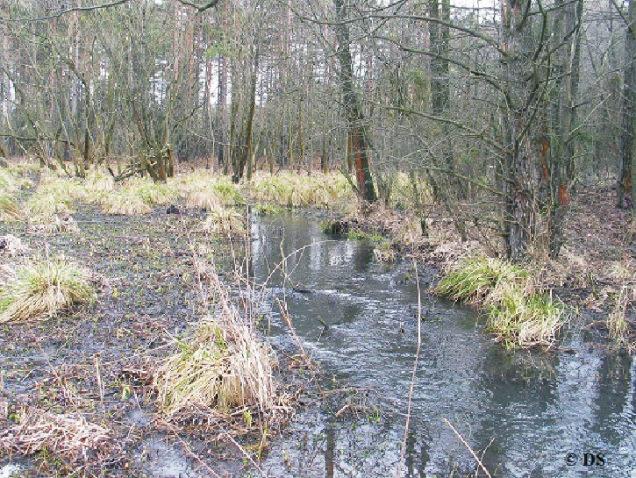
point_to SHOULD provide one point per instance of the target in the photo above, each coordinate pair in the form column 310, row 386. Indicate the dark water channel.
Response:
column 524, row 413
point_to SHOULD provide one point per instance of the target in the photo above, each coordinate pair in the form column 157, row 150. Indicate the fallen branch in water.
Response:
column 413, row 374
column 461, row 439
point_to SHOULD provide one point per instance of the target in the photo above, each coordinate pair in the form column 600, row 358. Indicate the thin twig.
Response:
column 461, row 439
column 247, row 455
column 413, row 375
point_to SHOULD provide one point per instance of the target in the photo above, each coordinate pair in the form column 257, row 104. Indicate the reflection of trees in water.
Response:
column 417, row 459
column 615, row 392
column 520, row 387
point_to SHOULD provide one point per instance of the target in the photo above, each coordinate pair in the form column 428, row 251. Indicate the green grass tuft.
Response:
column 268, row 210
column 519, row 318
column 481, row 280
column 42, row 289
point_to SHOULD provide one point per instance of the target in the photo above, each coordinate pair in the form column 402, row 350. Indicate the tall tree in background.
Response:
column 625, row 190
column 357, row 132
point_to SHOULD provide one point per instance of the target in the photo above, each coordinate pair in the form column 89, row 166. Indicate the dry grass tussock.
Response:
column 9, row 209
column 294, row 190
column 68, row 437
column 42, row 289
column 202, row 190
column 224, row 221
column 517, row 314
column 221, row 366
column 137, row 196
column 618, row 326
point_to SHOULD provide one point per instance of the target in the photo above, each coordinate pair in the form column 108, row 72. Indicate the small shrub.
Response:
column 42, row 289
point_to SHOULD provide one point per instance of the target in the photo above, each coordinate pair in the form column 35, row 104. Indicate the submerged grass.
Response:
column 40, row 290
column 516, row 314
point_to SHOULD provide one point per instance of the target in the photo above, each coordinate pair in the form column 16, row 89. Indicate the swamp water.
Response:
column 523, row 413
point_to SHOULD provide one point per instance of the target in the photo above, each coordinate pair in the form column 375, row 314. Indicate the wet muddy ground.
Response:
column 522, row 413
column 94, row 359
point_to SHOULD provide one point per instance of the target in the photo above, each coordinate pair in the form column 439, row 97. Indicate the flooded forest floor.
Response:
column 357, row 318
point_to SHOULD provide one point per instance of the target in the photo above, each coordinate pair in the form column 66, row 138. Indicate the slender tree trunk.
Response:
column 355, row 118
column 221, row 111
column 625, row 197
column 520, row 188
column 562, row 169
column 246, row 151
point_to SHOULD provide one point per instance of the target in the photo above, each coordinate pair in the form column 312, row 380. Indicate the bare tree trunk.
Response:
column 625, row 197
column 562, row 169
column 221, row 110
column 355, row 118
column 244, row 156
column 520, row 161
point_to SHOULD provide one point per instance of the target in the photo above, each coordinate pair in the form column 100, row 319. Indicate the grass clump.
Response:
column 268, row 210
column 42, row 289
column 359, row 235
column 221, row 365
column 137, row 196
column 617, row 325
column 9, row 209
column 294, row 190
column 124, row 202
column 202, row 190
column 150, row 192
column 517, row 315
column 202, row 199
column 481, row 280
column 7, row 181
column 521, row 320
column 224, row 221
column 227, row 192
